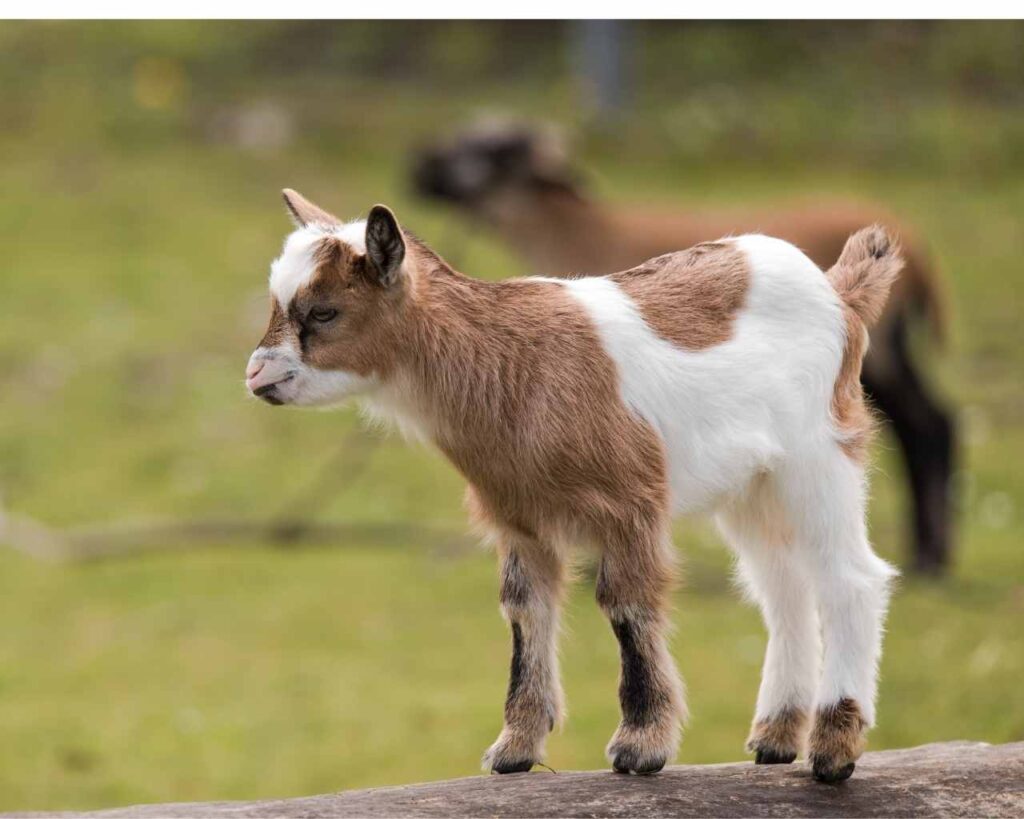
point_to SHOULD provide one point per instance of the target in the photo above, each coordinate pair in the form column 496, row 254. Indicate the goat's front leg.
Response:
column 532, row 579
column 633, row 584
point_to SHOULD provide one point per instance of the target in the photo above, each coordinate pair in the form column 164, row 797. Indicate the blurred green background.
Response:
column 141, row 165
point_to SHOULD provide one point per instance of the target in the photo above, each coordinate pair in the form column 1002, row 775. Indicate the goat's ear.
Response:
column 385, row 247
column 304, row 212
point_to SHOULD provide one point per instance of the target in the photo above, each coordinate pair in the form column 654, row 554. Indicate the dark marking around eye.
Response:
column 323, row 314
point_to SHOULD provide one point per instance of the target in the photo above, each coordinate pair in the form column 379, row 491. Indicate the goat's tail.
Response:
column 866, row 269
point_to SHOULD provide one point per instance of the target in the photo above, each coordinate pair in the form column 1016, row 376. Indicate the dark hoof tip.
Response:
column 626, row 762
column 832, row 775
column 512, row 767
column 768, row 756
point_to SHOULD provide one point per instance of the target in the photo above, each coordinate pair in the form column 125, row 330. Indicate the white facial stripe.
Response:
column 294, row 267
column 353, row 234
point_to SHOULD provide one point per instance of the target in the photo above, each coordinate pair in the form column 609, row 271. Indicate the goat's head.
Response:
column 338, row 292
column 490, row 159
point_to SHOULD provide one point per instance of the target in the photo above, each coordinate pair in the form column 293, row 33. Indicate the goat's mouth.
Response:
column 269, row 392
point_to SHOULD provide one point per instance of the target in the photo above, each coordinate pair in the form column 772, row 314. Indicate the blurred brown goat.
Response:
column 520, row 182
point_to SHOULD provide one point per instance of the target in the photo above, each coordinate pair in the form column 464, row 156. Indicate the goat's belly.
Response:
column 709, row 467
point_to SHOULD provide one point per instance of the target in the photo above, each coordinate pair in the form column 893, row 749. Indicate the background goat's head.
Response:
column 490, row 159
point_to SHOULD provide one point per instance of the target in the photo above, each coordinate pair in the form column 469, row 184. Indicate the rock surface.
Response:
column 945, row 779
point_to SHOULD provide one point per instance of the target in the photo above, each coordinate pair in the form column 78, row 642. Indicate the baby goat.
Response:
column 722, row 378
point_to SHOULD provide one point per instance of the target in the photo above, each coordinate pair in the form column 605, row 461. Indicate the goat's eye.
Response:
column 323, row 314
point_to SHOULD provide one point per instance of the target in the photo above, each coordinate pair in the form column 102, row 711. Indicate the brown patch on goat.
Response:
column 691, row 297
column 778, row 738
column 837, row 740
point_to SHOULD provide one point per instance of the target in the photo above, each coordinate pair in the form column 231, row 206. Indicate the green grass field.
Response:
column 133, row 285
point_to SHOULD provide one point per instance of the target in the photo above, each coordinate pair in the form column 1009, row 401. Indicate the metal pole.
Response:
column 600, row 47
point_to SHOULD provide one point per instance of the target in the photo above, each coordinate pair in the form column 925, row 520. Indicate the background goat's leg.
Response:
column 927, row 438
column 532, row 579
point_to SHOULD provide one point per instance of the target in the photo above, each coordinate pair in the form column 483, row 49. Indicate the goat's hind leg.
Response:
column 633, row 583
column 775, row 578
column 532, row 579
column 825, row 499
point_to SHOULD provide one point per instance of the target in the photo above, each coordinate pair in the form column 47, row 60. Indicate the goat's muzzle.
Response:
column 265, row 374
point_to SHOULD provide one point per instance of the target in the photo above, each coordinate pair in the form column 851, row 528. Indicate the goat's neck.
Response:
column 447, row 374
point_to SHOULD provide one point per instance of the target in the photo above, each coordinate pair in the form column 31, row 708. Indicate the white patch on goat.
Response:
column 393, row 404
column 328, row 388
column 728, row 412
column 295, row 266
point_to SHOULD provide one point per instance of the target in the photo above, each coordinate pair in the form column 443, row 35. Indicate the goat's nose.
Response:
column 253, row 368
column 265, row 371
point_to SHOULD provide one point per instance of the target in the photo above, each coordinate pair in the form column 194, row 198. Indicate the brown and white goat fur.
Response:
column 720, row 379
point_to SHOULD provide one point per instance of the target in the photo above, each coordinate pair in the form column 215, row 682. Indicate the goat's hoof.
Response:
column 643, row 750
column 777, row 739
column 512, row 753
column 504, row 767
column 837, row 740
column 772, row 756
column 629, row 761
column 825, row 770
